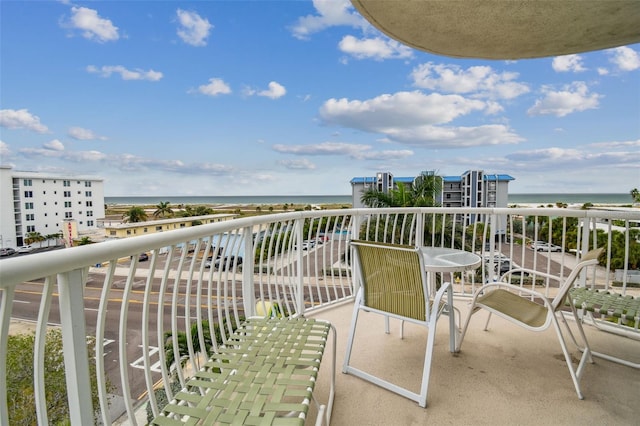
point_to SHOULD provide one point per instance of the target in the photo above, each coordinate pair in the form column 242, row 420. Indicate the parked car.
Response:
column 221, row 263
column 7, row 251
column 25, row 249
column 542, row 246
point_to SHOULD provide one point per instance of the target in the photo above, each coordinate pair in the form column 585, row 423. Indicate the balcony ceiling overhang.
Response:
column 505, row 29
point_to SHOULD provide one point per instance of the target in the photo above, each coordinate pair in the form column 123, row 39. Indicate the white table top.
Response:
column 441, row 259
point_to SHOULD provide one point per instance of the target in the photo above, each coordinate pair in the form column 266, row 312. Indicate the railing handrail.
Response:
column 24, row 268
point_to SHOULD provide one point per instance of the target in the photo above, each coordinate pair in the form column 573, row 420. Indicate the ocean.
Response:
column 346, row 199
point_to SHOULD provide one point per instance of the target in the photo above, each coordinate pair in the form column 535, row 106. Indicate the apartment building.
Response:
column 474, row 188
column 48, row 204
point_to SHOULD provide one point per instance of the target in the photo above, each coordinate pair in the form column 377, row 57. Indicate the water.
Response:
column 233, row 199
column 624, row 198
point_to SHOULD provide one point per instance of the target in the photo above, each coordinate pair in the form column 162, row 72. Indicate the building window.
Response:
column 144, row 229
column 68, row 215
column 112, row 233
column 67, row 203
column 65, row 183
column 27, row 182
column 79, row 192
column 80, row 213
column 28, row 194
column 89, row 213
column 87, row 193
column 30, row 216
column 128, row 231
column 87, row 184
column 182, row 225
column 67, row 193
column 31, row 228
column 89, row 223
column 158, row 228
column 89, row 203
column 28, row 206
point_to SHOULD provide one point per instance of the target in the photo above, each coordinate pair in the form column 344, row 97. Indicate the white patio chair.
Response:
column 534, row 311
column 394, row 284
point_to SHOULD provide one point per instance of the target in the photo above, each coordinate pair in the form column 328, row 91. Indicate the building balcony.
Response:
column 196, row 279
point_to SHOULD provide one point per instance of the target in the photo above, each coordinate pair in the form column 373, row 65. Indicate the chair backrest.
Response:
column 393, row 278
column 590, row 258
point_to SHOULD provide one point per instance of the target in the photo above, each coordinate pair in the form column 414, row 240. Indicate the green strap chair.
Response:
column 393, row 283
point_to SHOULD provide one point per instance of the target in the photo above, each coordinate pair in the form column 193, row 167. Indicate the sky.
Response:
column 219, row 98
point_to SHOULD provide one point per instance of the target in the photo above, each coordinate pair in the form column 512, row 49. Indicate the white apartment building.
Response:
column 48, row 204
column 474, row 188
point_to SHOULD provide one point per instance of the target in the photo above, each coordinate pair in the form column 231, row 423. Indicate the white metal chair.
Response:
column 394, row 284
column 534, row 311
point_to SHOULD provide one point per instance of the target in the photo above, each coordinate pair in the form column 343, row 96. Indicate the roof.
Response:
column 410, row 179
column 498, row 29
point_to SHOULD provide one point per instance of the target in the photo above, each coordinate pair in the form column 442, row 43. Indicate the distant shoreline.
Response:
column 346, row 200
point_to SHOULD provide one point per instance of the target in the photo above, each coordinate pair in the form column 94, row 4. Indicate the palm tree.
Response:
column 421, row 193
column 135, row 214
column 33, row 237
column 636, row 195
column 163, row 209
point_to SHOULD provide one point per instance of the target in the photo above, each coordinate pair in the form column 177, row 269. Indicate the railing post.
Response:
column 419, row 239
column 248, row 288
column 299, row 231
column 74, row 344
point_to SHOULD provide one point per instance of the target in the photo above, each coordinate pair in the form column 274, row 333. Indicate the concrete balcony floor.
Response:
column 504, row 376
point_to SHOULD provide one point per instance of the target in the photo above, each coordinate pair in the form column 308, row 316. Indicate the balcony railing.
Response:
column 154, row 320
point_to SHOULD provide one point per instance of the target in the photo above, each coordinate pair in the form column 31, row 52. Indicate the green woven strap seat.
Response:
column 265, row 374
column 624, row 308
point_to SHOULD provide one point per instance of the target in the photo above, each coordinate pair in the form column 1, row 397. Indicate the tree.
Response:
column 20, row 392
column 163, row 209
column 34, row 237
column 135, row 214
column 635, row 193
column 84, row 241
column 422, row 192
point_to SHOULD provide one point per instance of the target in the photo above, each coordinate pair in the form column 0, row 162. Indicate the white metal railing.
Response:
column 198, row 282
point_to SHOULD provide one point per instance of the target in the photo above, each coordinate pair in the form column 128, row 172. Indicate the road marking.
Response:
column 139, row 363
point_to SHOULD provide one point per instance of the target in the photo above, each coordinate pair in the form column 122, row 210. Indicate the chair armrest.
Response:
column 531, row 272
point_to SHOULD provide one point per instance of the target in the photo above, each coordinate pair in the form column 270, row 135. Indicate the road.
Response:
column 28, row 299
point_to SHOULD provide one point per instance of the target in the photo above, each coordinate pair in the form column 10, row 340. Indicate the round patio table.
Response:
column 442, row 259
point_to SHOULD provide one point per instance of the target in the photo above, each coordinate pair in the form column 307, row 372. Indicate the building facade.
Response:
column 474, row 188
column 48, row 204
column 120, row 229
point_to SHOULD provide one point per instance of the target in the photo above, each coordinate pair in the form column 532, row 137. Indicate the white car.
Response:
column 542, row 246
column 25, row 249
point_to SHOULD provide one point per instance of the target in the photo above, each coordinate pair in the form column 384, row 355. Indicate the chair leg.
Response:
column 576, row 374
column 352, row 332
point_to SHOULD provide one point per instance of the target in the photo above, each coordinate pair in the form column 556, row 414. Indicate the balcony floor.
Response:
column 504, row 376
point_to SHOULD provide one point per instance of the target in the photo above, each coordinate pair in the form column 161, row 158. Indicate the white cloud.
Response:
column 93, row 27
column 576, row 158
column 602, row 71
column 298, row 164
column 54, row 145
column 330, row 13
column 21, row 119
column 193, row 29
column 616, row 144
column 84, row 134
column 625, row 58
column 125, row 74
column 275, row 91
column 374, row 48
column 568, row 63
column 480, row 80
column 454, row 137
column 4, row 149
column 354, row 151
column 573, row 98
column 401, row 109
column 216, row 87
